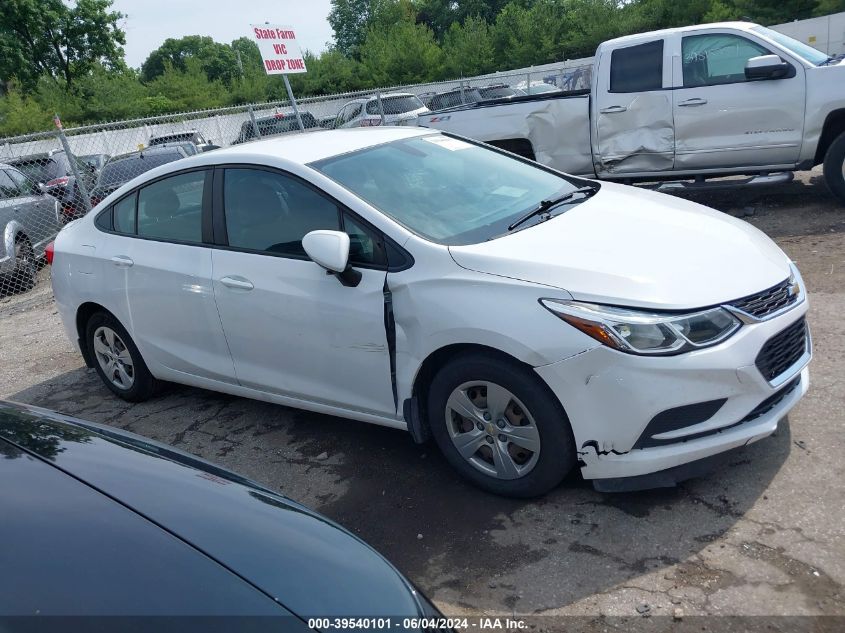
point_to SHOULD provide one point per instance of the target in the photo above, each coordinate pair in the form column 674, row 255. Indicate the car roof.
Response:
column 311, row 146
column 650, row 35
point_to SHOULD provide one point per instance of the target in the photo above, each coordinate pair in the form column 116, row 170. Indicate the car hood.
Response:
column 307, row 563
column 633, row 247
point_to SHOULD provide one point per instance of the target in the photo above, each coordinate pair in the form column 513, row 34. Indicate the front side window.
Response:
column 445, row 189
column 637, row 68
column 714, row 59
column 171, row 208
column 269, row 212
column 7, row 187
column 20, row 182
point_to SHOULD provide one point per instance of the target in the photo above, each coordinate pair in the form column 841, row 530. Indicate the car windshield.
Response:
column 812, row 55
column 174, row 138
column 395, row 105
column 496, row 92
column 444, row 189
column 125, row 169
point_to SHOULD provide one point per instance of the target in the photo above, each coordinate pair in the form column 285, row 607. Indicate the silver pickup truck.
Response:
column 681, row 105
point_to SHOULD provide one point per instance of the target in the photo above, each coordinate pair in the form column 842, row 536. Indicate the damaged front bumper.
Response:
column 719, row 397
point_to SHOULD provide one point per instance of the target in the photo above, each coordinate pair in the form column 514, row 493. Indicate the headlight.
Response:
column 637, row 332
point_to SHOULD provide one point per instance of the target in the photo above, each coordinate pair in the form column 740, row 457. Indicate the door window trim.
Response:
column 205, row 220
column 220, row 237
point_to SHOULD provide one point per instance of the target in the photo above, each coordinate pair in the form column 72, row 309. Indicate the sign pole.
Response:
column 293, row 103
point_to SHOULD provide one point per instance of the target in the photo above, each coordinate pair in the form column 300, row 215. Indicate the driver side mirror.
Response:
column 330, row 250
column 766, row 67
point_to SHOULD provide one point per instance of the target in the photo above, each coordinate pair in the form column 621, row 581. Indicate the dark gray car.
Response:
column 29, row 220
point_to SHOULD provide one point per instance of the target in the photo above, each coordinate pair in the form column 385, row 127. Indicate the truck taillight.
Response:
column 48, row 253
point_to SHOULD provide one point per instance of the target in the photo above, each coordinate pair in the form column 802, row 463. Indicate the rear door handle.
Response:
column 613, row 110
column 237, row 282
column 696, row 101
column 122, row 261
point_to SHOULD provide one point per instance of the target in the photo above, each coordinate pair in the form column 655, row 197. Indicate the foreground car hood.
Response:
column 304, row 561
column 632, row 247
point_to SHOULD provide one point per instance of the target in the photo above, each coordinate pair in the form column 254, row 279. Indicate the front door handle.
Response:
column 696, row 101
column 613, row 110
column 237, row 282
column 122, row 261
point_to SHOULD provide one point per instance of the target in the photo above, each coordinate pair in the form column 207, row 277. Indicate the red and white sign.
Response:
column 280, row 53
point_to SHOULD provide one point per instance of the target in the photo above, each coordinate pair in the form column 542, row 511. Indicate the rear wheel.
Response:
column 500, row 426
column 116, row 359
column 834, row 167
column 24, row 276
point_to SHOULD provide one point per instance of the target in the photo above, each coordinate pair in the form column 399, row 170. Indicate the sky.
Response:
column 150, row 22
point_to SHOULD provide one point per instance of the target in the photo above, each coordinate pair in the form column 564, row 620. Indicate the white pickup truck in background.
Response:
column 680, row 105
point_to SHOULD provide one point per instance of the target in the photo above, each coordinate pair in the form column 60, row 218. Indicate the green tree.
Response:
column 59, row 40
column 468, row 49
column 20, row 114
column 188, row 89
column 401, row 54
column 762, row 11
column 218, row 61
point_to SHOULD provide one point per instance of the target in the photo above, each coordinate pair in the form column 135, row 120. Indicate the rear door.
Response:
column 157, row 274
column 724, row 120
column 632, row 111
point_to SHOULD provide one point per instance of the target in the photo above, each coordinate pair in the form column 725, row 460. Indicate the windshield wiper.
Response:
column 547, row 205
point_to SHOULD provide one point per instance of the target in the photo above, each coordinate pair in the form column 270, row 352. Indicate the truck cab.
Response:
column 710, row 100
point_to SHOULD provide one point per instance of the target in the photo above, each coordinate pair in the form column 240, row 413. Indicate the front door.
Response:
column 724, row 120
column 293, row 329
column 632, row 112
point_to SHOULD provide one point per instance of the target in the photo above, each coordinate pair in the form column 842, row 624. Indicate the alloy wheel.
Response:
column 114, row 358
column 492, row 430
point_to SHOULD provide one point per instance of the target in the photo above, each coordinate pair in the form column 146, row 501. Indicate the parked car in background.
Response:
column 682, row 105
column 192, row 136
column 400, row 108
column 188, row 147
column 121, row 169
column 472, row 94
column 29, row 220
column 529, row 321
column 108, row 523
column 53, row 169
column 536, row 88
column 96, row 161
column 279, row 123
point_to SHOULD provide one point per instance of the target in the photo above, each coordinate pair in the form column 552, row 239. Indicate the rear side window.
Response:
column 637, row 68
column 171, row 208
column 719, row 58
column 124, row 215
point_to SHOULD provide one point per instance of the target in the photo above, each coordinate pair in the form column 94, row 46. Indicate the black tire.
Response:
column 143, row 384
column 26, row 268
column 834, row 167
column 557, row 455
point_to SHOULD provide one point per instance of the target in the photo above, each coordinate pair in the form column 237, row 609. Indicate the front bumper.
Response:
column 610, row 397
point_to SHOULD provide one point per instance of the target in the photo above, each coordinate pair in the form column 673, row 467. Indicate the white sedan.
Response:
column 529, row 321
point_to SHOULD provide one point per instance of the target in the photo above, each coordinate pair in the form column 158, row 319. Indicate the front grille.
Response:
column 765, row 303
column 782, row 350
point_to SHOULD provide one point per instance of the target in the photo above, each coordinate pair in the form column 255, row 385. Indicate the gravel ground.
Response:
column 764, row 536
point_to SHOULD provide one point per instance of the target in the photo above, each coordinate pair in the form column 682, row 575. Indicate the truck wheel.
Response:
column 117, row 361
column 499, row 426
column 834, row 167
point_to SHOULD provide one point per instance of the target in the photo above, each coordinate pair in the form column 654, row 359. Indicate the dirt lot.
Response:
column 765, row 536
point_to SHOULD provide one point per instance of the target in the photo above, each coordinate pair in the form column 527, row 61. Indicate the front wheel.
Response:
column 834, row 167
column 500, row 426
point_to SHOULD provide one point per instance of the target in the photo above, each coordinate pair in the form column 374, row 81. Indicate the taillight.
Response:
column 48, row 253
column 57, row 182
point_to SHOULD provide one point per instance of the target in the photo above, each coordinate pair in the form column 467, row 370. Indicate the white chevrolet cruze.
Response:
column 528, row 320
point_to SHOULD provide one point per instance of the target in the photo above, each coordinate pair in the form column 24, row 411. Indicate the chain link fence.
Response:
column 50, row 178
